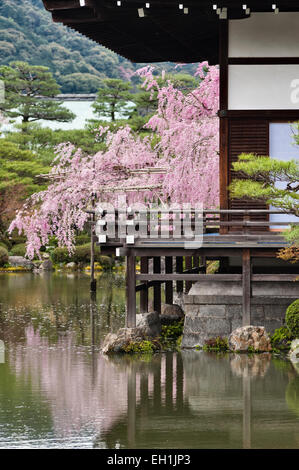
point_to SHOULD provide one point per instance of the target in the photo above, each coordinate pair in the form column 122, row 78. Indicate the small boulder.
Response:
column 171, row 313
column 20, row 261
column 149, row 324
column 116, row 342
column 294, row 351
column 71, row 265
column 252, row 338
column 47, row 265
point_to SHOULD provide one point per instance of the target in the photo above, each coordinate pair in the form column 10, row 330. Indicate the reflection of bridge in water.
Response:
column 199, row 400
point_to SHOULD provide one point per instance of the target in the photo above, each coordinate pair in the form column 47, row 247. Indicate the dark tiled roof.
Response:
column 165, row 33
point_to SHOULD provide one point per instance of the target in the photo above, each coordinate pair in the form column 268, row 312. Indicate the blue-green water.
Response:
column 58, row 391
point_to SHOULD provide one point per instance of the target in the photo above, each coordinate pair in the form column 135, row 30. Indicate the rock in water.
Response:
column 20, row 261
column 249, row 337
column 149, row 324
column 47, row 265
column 116, row 342
column 148, row 327
column 294, row 351
column 171, row 313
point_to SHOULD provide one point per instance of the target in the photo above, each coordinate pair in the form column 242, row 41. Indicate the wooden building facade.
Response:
column 257, row 47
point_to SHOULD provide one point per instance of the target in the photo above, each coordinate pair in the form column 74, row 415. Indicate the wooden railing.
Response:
column 183, row 225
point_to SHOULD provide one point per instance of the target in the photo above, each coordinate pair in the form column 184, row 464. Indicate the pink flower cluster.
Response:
column 184, row 142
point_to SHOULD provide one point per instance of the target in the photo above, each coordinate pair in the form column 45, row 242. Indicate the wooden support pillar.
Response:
column 157, row 286
column 188, row 265
column 144, row 292
column 168, row 284
column 246, row 284
column 131, row 291
column 179, row 269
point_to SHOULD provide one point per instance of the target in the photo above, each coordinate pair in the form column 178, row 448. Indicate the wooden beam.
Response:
column 157, row 286
column 246, row 285
column 179, row 269
column 144, row 292
column 188, row 277
column 275, row 278
column 130, row 290
column 188, row 265
column 169, row 284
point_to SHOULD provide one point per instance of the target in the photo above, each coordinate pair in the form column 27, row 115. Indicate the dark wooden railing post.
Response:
column 179, row 269
column 188, row 265
column 131, row 290
column 168, row 284
column 144, row 292
column 157, row 286
column 246, row 285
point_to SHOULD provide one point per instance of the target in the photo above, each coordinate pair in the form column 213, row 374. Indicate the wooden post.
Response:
column 179, row 269
column 131, row 291
column 168, row 284
column 188, row 262
column 246, row 284
column 157, row 286
column 144, row 292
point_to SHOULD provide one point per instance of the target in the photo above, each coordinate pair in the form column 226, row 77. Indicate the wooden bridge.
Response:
column 176, row 258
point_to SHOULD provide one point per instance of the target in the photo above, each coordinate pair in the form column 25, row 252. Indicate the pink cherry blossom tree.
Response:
column 184, row 142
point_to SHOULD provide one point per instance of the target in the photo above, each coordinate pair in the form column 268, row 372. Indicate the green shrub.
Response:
column 142, row 347
column 216, row 344
column 82, row 240
column 81, row 255
column 3, row 245
column 292, row 318
column 18, row 250
column 281, row 338
column 173, row 331
column 18, row 240
column 3, row 256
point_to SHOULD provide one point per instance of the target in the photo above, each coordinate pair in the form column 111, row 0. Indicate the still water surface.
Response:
column 58, row 391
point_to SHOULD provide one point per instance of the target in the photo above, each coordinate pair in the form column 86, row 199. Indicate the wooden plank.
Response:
column 275, row 278
column 169, row 284
column 246, row 285
column 188, row 277
column 144, row 292
column 130, row 290
column 157, row 286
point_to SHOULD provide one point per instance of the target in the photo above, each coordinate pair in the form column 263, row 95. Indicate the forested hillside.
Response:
column 27, row 33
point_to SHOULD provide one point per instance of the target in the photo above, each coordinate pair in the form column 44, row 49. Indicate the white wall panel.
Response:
column 265, row 35
column 263, row 87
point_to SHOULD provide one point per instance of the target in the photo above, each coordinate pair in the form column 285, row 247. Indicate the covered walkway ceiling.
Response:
column 157, row 30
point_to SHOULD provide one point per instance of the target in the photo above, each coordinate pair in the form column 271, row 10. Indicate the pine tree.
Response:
column 29, row 93
column 261, row 177
column 113, row 98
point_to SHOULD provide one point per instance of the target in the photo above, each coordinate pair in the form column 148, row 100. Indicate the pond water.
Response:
column 58, row 391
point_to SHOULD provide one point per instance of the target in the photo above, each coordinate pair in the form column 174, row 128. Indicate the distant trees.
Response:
column 24, row 86
column 113, row 98
column 18, row 171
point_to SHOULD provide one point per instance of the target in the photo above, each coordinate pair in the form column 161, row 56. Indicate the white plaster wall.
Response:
column 263, row 87
column 265, row 35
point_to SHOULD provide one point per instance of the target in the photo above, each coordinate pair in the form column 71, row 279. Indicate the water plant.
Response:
column 216, row 344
